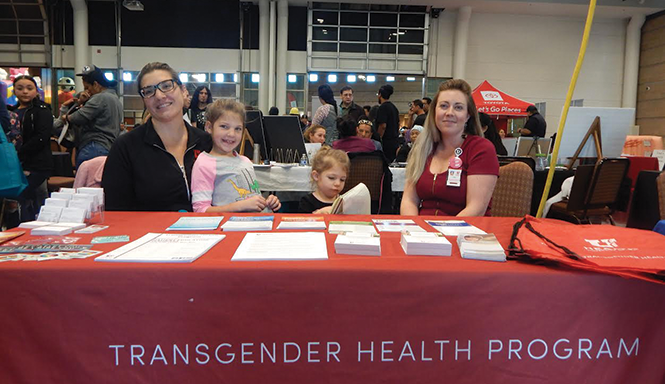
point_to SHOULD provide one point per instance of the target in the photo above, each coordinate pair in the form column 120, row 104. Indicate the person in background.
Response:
column 296, row 112
column 491, row 134
column 349, row 109
column 100, row 117
column 273, row 111
column 66, row 87
column 197, row 109
column 330, row 168
column 452, row 169
column 315, row 134
column 416, row 114
column 150, row 167
column 535, row 126
column 404, row 149
column 304, row 122
column 185, row 107
column 4, row 115
column 30, row 133
column 387, row 122
column 364, row 130
column 426, row 103
column 71, row 138
column 366, row 109
column 326, row 114
column 223, row 180
column 349, row 141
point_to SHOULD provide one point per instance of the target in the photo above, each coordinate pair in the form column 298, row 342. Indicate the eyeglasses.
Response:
column 367, row 122
column 165, row 86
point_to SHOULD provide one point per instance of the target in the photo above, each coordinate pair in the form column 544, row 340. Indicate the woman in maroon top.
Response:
column 452, row 169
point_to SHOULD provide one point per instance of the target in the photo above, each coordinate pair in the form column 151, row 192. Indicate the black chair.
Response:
column 530, row 161
column 371, row 168
column 595, row 192
column 643, row 213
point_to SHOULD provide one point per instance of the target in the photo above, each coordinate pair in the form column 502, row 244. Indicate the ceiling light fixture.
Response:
column 133, row 5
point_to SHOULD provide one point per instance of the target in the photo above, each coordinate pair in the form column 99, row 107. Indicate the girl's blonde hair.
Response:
column 311, row 130
column 217, row 109
column 430, row 135
column 327, row 158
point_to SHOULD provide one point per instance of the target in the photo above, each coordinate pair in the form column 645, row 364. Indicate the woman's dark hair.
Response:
column 386, row 90
column 346, row 128
column 27, row 77
column 157, row 66
column 492, row 134
column 326, row 94
column 194, row 105
column 274, row 111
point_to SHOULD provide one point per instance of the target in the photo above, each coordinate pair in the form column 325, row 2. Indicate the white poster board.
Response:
column 660, row 155
column 615, row 124
column 510, row 143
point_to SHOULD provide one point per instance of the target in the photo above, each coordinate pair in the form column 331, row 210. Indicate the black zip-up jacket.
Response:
column 141, row 175
column 35, row 153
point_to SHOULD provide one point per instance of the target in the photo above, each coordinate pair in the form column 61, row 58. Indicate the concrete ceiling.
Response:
column 571, row 8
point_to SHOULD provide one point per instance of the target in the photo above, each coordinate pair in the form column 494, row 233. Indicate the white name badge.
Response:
column 454, row 177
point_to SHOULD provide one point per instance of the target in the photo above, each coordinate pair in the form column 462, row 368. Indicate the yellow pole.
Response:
column 566, row 106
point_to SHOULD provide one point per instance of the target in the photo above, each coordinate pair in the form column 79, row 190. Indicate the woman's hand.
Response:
column 273, row 203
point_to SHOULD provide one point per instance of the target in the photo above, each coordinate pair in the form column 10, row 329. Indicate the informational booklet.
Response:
column 351, row 226
column 397, row 225
column 196, row 223
column 481, row 247
column 425, row 243
column 302, row 222
column 356, row 201
column 454, row 227
column 282, row 246
column 109, row 239
column 40, row 248
column 248, row 223
column 163, row 248
column 6, row 236
column 92, row 228
column 358, row 243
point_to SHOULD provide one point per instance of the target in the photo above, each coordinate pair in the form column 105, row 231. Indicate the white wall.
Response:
column 533, row 57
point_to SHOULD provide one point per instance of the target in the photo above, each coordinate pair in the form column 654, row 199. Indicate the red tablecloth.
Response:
column 349, row 319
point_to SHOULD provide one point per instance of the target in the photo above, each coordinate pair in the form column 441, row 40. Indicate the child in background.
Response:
column 223, row 180
column 330, row 168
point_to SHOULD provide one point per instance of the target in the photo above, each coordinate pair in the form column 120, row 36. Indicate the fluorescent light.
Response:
column 183, row 77
column 332, row 78
column 109, row 76
column 235, row 77
column 390, row 78
column 219, row 77
column 371, row 78
column 313, row 77
column 291, row 78
column 351, row 79
column 410, row 78
column 200, row 77
column 127, row 76
column 320, row 21
column 255, row 78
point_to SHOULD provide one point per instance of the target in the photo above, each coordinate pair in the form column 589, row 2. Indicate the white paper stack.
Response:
column 34, row 224
column 481, row 247
column 248, row 223
column 56, row 229
column 358, row 243
column 351, row 226
column 61, row 195
column 425, row 243
column 49, row 213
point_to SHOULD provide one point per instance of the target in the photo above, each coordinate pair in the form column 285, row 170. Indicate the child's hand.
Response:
column 323, row 211
column 253, row 204
column 273, row 203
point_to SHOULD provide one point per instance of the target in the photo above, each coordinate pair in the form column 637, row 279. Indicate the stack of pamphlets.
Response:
column 397, row 225
column 248, row 223
column 56, row 229
column 196, row 223
column 351, row 226
column 42, row 252
column 425, row 243
column 164, row 248
column 302, row 222
column 358, row 243
column 481, row 247
column 454, row 227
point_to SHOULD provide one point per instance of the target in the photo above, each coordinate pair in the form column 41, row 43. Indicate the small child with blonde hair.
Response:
column 223, row 180
column 330, row 168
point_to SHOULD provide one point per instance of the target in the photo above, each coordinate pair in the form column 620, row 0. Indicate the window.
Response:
column 295, row 91
column 370, row 38
column 250, row 89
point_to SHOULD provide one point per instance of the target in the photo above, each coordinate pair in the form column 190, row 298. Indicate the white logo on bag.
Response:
column 491, row 95
column 603, row 243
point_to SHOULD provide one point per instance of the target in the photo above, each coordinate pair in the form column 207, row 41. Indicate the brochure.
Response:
column 248, row 223
column 359, row 243
column 302, row 222
column 454, row 227
column 481, row 247
column 399, row 225
column 425, row 243
column 351, row 226
column 163, row 248
column 196, row 223
column 282, row 246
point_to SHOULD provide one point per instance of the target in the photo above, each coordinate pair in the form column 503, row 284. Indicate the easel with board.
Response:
column 594, row 131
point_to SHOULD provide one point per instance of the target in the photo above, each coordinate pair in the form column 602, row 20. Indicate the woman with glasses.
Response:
column 150, row 168
column 197, row 109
